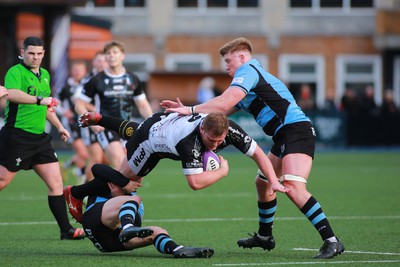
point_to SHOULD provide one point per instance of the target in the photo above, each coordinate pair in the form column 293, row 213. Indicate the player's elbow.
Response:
column 194, row 183
column 196, row 186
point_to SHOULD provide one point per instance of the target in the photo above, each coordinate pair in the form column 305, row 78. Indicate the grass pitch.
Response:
column 359, row 192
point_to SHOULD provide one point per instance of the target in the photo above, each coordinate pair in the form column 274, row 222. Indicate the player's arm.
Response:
column 3, row 91
column 81, row 106
column 51, row 116
column 20, row 97
column 207, row 178
column 84, row 96
column 144, row 107
column 225, row 103
column 110, row 175
column 265, row 165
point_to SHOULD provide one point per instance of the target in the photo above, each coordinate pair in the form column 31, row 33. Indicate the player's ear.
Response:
column 202, row 129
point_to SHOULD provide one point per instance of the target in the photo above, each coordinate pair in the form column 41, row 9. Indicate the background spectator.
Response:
column 388, row 106
column 306, row 100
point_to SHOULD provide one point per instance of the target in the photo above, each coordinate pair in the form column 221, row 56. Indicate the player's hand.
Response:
column 132, row 186
column 223, row 165
column 172, row 106
column 115, row 190
column 64, row 134
column 46, row 101
column 89, row 118
column 3, row 91
column 97, row 129
column 277, row 187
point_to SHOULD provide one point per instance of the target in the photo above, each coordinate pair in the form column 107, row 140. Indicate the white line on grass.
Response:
column 353, row 252
column 388, row 217
column 304, row 263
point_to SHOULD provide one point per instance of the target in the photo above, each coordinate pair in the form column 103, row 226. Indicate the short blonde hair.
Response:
column 216, row 123
column 240, row 43
column 112, row 44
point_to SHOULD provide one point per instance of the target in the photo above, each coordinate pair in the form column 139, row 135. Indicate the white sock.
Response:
column 126, row 226
column 333, row 239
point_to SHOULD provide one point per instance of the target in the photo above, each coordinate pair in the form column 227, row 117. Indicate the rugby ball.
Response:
column 210, row 161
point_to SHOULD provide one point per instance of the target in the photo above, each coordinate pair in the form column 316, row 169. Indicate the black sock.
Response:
column 266, row 213
column 94, row 187
column 123, row 127
column 59, row 210
column 164, row 244
column 313, row 211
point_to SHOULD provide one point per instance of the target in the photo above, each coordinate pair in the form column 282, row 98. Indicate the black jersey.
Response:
column 116, row 93
column 178, row 137
column 68, row 95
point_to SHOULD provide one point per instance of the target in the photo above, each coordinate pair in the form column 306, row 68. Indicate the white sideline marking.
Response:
column 303, row 263
column 353, row 252
column 388, row 217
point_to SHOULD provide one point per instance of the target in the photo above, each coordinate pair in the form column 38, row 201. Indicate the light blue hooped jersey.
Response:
column 267, row 98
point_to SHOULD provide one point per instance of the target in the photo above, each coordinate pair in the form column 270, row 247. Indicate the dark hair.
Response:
column 34, row 41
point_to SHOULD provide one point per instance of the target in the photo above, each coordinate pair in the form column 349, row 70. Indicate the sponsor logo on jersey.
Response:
column 119, row 87
column 238, row 80
column 196, row 153
column 138, row 159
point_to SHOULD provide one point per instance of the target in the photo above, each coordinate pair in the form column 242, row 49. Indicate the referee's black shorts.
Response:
column 21, row 150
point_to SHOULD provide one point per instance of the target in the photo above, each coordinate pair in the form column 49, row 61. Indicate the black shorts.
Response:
column 75, row 132
column 107, row 136
column 297, row 137
column 103, row 238
column 88, row 136
column 21, row 150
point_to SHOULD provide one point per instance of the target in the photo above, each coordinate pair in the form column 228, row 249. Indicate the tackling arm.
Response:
column 266, row 167
column 224, row 103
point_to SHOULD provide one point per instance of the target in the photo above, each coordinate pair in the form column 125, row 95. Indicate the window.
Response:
column 300, row 3
column 140, row 64
column 188, row 62
column 358, row 72
column 298, row 71
column 115, row 3
column 331, row 3
column 326, row 4
column 217, row 3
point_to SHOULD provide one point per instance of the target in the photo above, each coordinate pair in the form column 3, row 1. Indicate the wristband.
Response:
column 192, row 109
